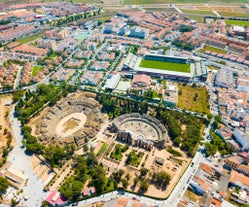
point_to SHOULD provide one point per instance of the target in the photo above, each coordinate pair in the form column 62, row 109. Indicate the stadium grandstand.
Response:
column 171, row 67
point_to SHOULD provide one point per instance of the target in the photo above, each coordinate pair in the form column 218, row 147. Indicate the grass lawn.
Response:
column 51, row 56
column 178, row 67
column 202, row 12
column 36, row 69
column 134, row 158
column 213, row 49
column 193, row 99
column 29, row 39
column 196, row 18
column 102, row 149
column 237, row 22
column 118, row 151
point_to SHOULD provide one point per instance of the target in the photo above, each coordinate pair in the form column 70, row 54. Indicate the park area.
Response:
column 177, row 67
column 36, row 69
column 193, row 99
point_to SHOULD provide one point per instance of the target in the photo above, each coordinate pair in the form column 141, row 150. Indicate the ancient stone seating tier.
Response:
column 139, row 130
column 79, row 117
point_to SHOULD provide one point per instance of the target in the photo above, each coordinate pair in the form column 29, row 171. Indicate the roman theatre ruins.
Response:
column 139, row 130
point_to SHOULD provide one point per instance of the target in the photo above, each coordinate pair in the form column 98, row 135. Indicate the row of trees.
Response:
column 116, row 106
column 182, row 45
column 55, row 155
column 75, row 17
column 185, row 28
column 34, row 101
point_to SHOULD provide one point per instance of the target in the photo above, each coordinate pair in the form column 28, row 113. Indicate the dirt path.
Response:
column 5, row 108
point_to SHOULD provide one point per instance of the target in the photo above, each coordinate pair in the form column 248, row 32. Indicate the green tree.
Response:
column 124, row 183
column 210, row 149
column 54, row 155
column 98, row 178
column 144, row 185
column 71, row 189
column 44, row 203
column 136, row 179
column 17, row 95
column 162, row 179
column 143, row 172
column 4, row 185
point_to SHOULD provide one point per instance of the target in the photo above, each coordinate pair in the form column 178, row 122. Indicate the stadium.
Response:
column 171, row 67
column 139, row 130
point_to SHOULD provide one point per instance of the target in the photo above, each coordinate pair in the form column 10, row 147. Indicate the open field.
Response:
column 178, row 67
column 36, row 69
column 29, row 39
column 29, row 1
column 4, row 122
column 192, row 196
column 196, row 18
column 213, row 49
column 148, row 9
column 182, row 1
column 137, row 1
column 233, row 14
column 202, row 12
column 237, row 22
column 193, row 99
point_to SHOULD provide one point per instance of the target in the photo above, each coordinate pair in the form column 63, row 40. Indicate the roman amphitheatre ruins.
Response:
column 71, row 120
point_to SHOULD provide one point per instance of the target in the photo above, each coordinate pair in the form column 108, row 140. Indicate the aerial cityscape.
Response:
column 124, row 103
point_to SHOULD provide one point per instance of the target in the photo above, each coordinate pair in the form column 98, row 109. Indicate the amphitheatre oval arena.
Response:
column 140, row 130
column 71, row 120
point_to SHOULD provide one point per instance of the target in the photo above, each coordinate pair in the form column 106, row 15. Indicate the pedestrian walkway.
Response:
column 19, row 159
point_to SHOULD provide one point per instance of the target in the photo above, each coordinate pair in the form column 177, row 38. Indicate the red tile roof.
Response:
column 56, row 198
column 142, row 78
column 236, row 177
